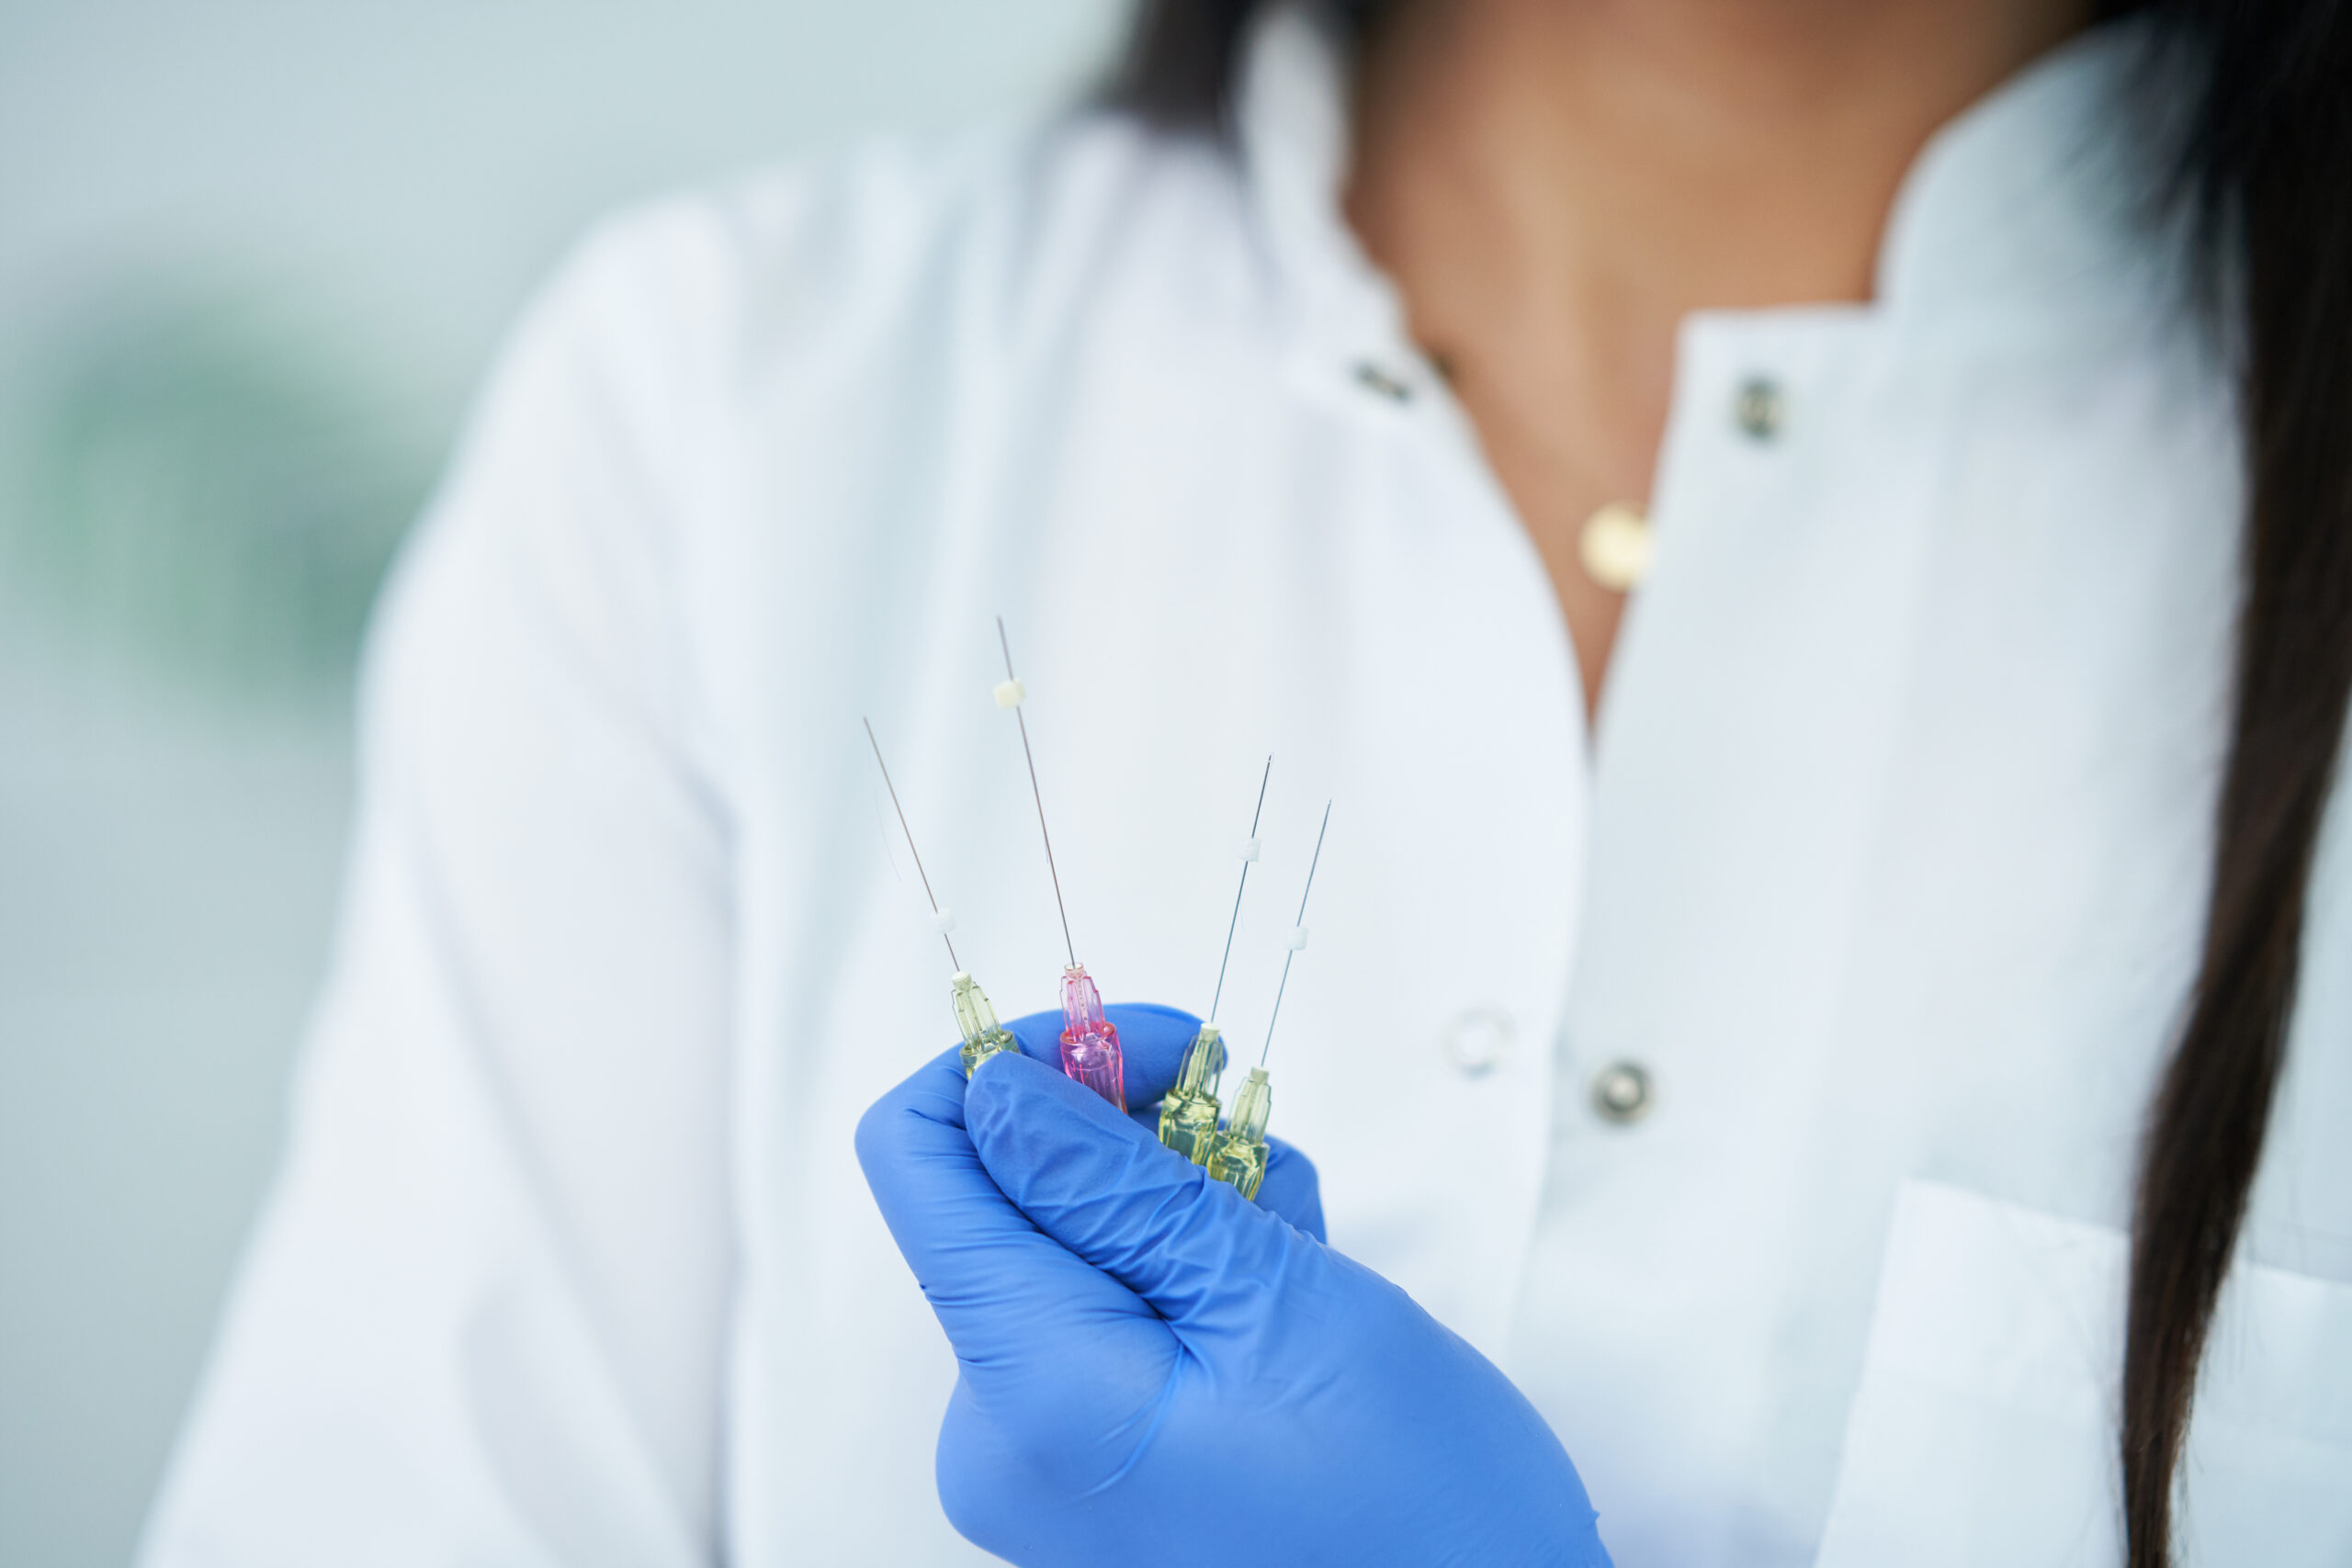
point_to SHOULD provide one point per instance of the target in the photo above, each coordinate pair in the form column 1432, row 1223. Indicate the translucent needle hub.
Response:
column 1188, row 1116
column 1239, row 1155
column 1091, row 1051
column 976, row 1020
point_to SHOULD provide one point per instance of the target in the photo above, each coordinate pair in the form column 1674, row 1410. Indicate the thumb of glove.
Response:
column 1110, row 1192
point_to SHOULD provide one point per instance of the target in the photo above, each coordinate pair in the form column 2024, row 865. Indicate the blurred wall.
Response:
column 253, row 255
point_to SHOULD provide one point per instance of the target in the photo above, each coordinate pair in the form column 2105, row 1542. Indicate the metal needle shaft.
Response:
column 1039, row 795
column 1234, row 924
column 1302, row 920
column 910, row 833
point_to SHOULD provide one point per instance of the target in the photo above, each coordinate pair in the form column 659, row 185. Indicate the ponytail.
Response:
column 2266, row 171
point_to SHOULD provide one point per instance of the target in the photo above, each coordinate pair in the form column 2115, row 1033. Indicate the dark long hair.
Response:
column 2260, row 92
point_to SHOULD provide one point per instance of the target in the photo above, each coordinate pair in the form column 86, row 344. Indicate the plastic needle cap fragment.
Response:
column 1188, row 1116
column 975, row 1020
column 1239, row 1155
column 1090, row 1044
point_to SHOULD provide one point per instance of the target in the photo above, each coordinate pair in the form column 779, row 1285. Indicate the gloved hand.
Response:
column 1154, row 1370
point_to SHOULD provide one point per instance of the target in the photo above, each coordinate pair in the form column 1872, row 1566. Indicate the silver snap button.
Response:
column 1621, row 1092
column 1477, row 1040
column 1395, row 389
column 1758, row 408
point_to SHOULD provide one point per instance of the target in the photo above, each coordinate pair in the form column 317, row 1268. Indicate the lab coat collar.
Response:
column 1292, row 124
column 2031, row 199
column 2036, row 195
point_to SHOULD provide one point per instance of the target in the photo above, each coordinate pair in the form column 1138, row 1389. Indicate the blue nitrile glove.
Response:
column 1152, row 1041
column 1154, row 1370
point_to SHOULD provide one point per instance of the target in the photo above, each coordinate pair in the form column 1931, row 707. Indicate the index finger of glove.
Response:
column 1153, row 1039
column 990, row 1274
column 1197, row 1250
column 1292, row 1189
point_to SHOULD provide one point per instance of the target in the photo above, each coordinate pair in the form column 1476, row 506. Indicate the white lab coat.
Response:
column 1885, row 863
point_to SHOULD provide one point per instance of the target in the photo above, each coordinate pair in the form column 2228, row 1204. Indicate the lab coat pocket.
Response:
column 1983, row 1430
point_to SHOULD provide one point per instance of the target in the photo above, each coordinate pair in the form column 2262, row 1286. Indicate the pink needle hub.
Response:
column 1090, row 1041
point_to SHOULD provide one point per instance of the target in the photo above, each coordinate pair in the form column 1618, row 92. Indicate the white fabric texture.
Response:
column 1884, row 862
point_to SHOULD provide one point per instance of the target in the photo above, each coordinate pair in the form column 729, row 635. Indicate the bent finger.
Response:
column 1292, row 1189
column 1106, row 1189
column 988, row 1273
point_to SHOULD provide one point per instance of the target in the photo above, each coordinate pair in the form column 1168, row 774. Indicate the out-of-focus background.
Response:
column 253, row 256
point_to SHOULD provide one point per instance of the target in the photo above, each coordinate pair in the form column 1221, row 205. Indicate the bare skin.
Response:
column 1555, row 183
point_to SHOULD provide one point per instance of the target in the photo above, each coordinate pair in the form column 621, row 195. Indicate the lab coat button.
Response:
column 1758, row 408
column 1477, row 1040
column 1621, row 1092
column 1394, row 388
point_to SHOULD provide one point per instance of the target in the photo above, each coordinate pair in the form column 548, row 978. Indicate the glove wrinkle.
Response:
column 1154, row 1419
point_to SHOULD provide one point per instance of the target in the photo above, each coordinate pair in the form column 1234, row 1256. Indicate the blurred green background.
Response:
column 253, row 256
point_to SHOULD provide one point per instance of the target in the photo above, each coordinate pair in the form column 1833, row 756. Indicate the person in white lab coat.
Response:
column 1811, row 544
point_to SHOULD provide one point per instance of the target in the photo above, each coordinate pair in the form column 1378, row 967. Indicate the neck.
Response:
column 1555, row 183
